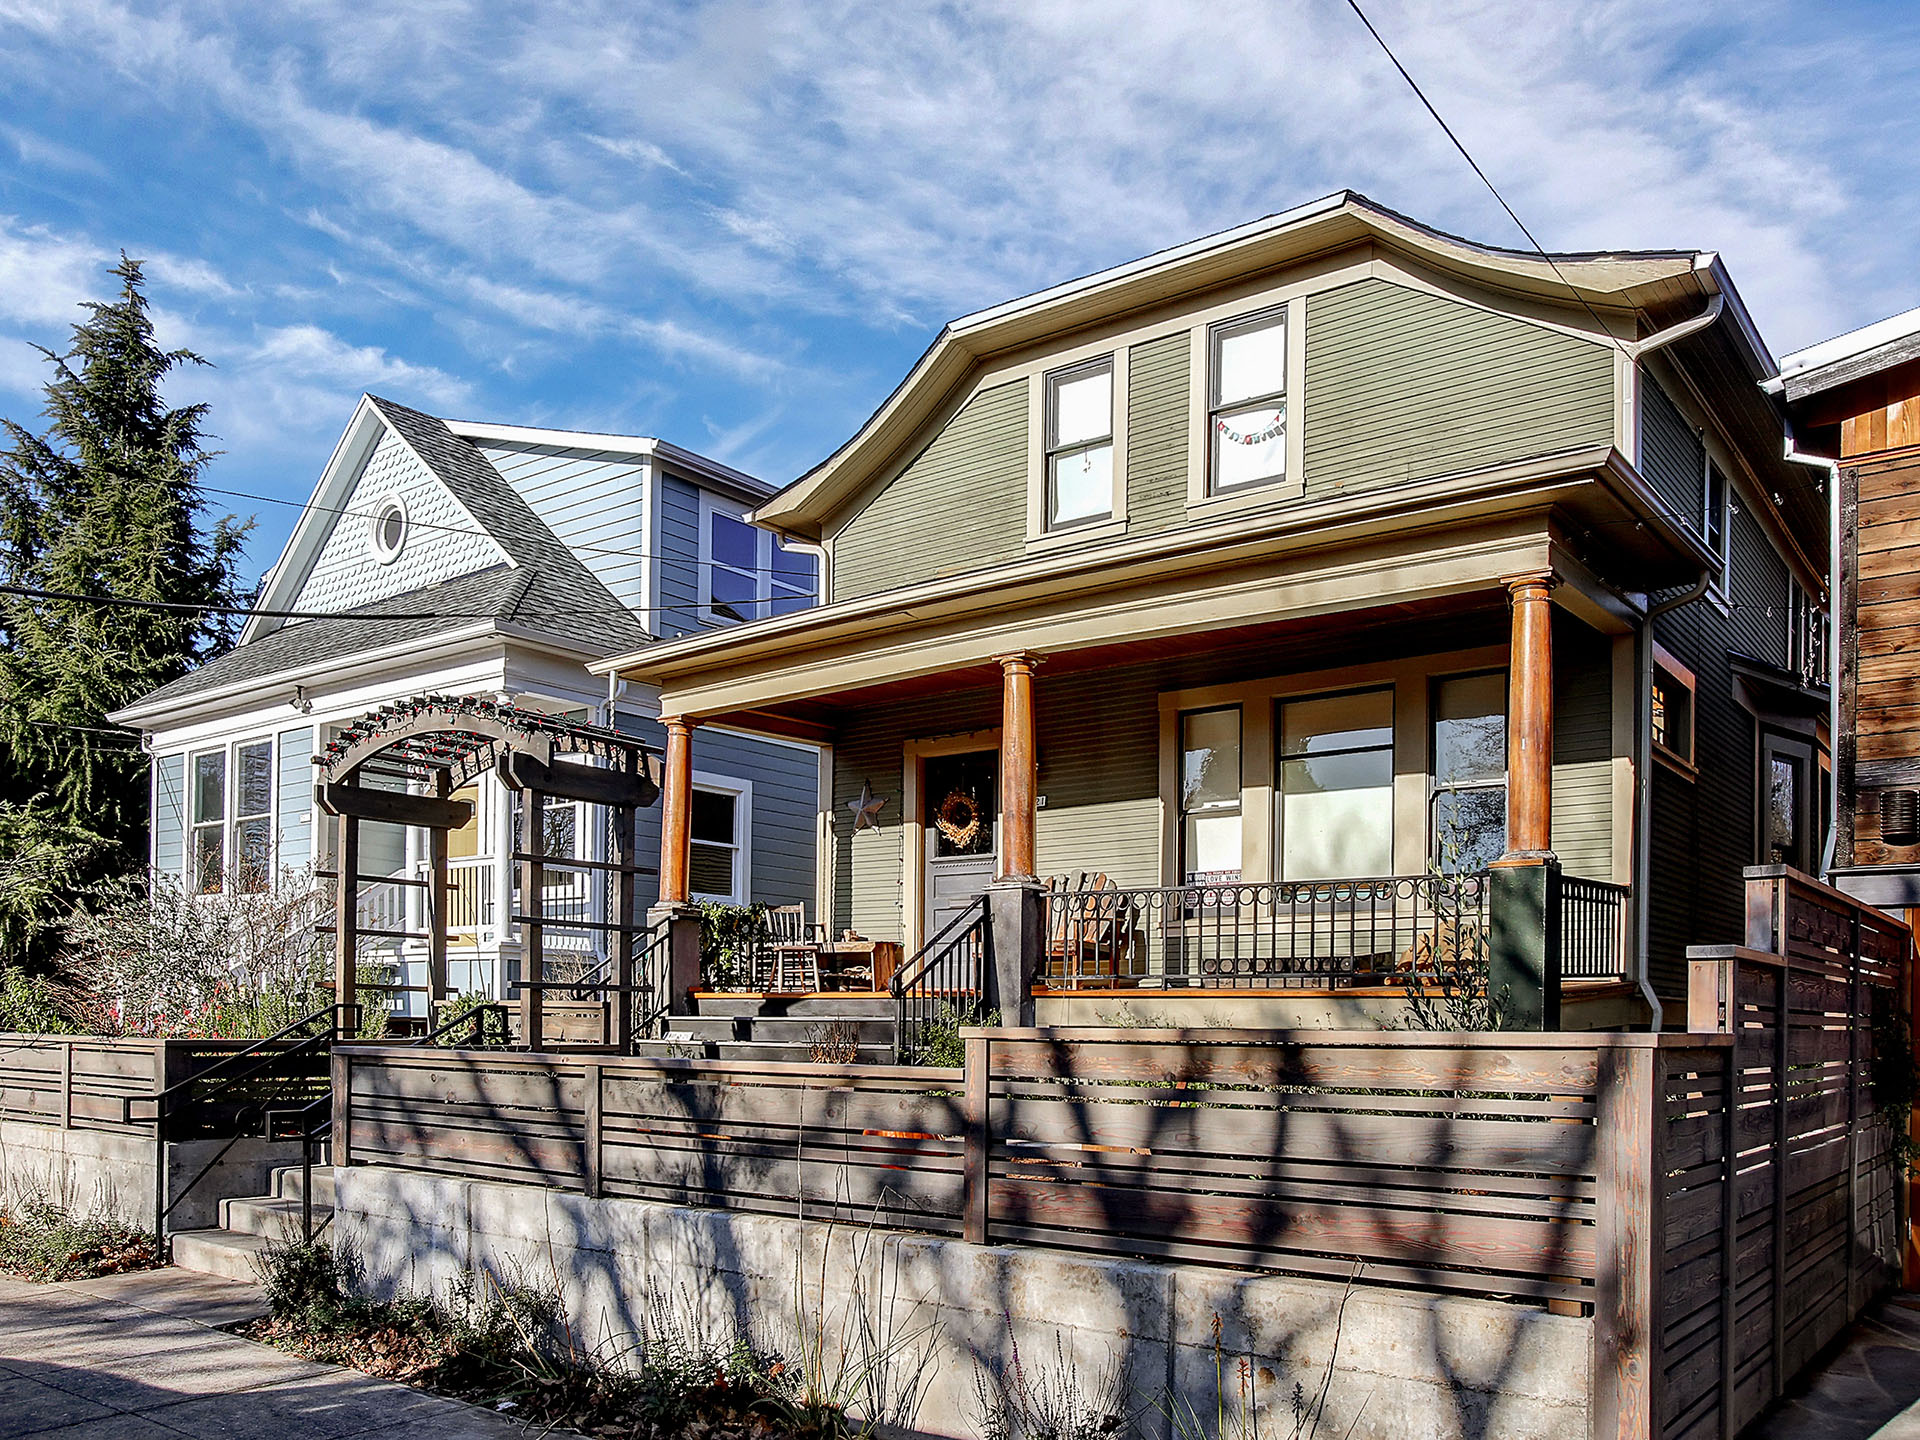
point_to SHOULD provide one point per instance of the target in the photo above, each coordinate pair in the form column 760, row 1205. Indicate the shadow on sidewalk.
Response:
column 1871, row 1380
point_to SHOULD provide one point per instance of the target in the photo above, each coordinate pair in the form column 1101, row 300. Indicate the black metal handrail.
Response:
column 477, row 1017
column 946, row 976
column 1291, row 934
column 1593, row 929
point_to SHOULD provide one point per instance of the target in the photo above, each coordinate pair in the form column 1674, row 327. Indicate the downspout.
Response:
column 821, row 556
column 1643, row 766
column 1661, row 338
column 1831, row 468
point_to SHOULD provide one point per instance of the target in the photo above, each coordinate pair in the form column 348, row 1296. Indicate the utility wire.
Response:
column 182, row 607
column 1492, row 189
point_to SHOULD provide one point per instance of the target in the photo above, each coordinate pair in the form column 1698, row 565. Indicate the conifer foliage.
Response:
column 105, row 503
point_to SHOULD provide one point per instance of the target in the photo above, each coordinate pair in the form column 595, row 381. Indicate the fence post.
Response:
column 1630, row 1172
column 66, row 1085
column 1777, row 1097
column 977, row 1090
column 1853, row 1113
column 340, row 1135
column 590, row 1133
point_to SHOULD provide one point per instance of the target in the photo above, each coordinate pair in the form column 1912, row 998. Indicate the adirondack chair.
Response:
column 1091, row 937
column 789, row 955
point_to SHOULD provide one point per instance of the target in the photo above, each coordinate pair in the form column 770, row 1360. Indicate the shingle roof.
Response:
column 547, row 592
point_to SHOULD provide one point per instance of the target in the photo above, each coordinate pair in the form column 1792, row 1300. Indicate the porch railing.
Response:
column 944, row 983
column 1593, row 929
column 1282, row 935
column 470, row 893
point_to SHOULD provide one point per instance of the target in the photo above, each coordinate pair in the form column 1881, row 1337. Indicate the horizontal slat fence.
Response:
column 866, row 1143
column 78, row 1082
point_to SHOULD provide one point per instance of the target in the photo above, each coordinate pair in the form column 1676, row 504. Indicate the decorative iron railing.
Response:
column 1280, row 935
column 945, row 983
column 1593, row 929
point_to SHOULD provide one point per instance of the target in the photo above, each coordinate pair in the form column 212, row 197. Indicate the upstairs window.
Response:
column 1080, row 445
column 1247, row 403
column 747, row 573
column 1716, row 509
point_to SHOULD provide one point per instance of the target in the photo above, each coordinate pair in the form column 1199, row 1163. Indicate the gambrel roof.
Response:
column 511, row 575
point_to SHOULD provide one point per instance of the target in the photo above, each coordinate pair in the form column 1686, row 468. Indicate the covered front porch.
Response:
column 1293, row 819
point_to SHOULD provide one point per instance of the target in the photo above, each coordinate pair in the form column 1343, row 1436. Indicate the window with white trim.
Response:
column 720, row 816
column 1247, row 403
column 230, row 819
column 1716, row 509
column 747, row 573
column 1079, row 442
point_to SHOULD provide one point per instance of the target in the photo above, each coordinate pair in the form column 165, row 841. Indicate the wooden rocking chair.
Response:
column 790, row 951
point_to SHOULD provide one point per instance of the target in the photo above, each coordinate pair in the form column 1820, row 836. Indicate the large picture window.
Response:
column 1469, row 771
column 1210, row 833
column 1247, row 403
column 1336, row 786
column 1080, row 445
column 747, row 573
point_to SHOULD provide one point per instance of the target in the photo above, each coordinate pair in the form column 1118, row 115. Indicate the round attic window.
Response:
column 388, row 531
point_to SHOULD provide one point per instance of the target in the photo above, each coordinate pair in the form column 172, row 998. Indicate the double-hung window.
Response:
column 1247, row 403
column 231, row 818
column 719, row 816
column 1210, row 836
column 748, row 573
column 1336, row 786
column 1080, row 445
column 1716, row 507
column 1469, row 771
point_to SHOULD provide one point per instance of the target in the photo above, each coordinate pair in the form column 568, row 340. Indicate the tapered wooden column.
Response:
column 1530, row 719
column 676, row 806
column 1019, row 779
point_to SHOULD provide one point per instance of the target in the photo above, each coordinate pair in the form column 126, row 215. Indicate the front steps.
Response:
column 781, row 1027
column 247, row 1223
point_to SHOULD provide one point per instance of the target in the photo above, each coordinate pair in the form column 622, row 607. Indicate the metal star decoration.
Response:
column 866, row 810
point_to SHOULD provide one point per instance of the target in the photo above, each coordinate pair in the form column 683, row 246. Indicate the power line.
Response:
column 1492, row 190
column 181, row 607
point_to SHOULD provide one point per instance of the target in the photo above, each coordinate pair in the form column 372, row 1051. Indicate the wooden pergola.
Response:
column 403, row 763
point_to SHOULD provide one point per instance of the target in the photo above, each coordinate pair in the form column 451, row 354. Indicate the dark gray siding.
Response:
column 960, row 504
column 1158, row 406
column 1403, row 385
column 679, row 559
column 1672, row 457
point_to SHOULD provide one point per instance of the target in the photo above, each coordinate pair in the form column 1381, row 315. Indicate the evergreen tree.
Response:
column 106, row 502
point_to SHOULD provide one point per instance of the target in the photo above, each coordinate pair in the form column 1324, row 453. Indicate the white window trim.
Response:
column 1201, row 500
column 1039, row 538
column 742, row 792
column 376, row 547
column 711, row 505
column 1721, row 586
column 230, row 816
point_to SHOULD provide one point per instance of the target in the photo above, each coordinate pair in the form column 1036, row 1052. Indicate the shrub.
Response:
column 729, row 937
column 1014, row 1401
column 41, row 1239
column 27, row 1004
column 940, row 1043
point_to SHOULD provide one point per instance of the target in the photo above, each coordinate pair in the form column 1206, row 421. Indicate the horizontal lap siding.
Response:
column 593, row 501
column 1582, row 750
column 295, row 809
column 169, row 814
column 1100, row 771
column 960, row 504
column 1402, row 385
column 679, row 559
column 1158, row 407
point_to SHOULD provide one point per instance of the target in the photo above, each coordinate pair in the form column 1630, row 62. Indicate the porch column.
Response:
column 676, row 802
column 1530, row 720
column 1019, row 780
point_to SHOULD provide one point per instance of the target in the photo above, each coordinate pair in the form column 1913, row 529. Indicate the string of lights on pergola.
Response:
column 403, row 763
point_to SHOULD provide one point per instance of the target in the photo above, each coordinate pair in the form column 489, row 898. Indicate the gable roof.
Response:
column 1832, row 363
column 543, row 594
column 1665, row 283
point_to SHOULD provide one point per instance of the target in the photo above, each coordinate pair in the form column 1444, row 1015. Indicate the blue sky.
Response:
column 736, row 225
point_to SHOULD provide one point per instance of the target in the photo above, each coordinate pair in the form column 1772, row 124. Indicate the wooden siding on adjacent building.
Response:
column 960, row 504
column 1403, row 385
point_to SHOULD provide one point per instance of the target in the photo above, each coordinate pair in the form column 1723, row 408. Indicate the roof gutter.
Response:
column 1660, row 339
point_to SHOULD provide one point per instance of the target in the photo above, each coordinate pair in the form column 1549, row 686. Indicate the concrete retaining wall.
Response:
column 1392, row 1365
column 113, row 1170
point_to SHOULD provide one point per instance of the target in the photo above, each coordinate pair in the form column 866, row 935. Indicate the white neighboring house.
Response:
column 461, row 558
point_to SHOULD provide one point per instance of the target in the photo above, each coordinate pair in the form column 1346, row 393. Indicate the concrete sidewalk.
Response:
column 137, row 1357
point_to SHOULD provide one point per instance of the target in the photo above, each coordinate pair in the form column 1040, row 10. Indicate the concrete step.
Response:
column 286, row 1183
column 850, row 1004
column 269, row 1218
column 218, row 1252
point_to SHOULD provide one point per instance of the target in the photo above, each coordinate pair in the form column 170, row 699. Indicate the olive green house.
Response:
column 1252, row 617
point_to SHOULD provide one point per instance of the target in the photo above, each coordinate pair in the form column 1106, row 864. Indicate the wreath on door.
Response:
column 958, row 818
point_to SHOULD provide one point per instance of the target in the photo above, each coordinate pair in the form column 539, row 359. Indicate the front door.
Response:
column 961, row 832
